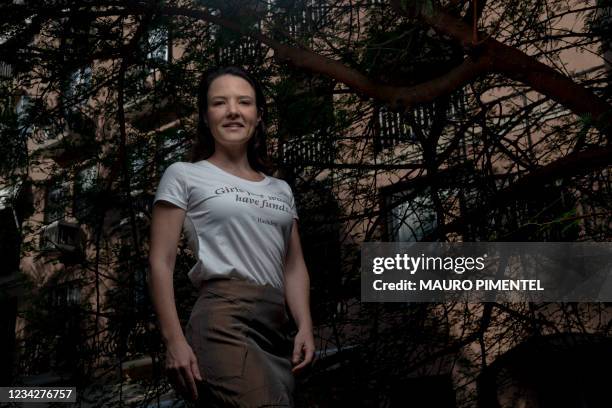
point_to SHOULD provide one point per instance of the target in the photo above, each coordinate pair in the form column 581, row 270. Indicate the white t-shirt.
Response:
column 237, row 228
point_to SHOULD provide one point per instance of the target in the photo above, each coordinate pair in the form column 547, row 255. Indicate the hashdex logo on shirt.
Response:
column 264, row 221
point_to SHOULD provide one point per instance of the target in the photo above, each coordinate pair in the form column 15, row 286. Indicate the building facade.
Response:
column 75, row 302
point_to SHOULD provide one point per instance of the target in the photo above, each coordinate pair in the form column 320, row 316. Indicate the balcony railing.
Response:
column 309, row 150
column 393, row 128
column 310, row 17
column 6, row 70
column 63, row 236
column 240, row 52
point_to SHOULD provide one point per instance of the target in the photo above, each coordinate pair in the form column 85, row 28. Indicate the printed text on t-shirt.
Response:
column 256, row 200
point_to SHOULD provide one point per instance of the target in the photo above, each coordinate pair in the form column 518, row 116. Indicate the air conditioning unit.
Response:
column 62, row 235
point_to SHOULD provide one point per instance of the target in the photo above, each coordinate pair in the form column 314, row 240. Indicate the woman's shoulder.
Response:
column 186, row 170
column 174, row 169
column 186, row 166
column 279, row 183
column 276, row 179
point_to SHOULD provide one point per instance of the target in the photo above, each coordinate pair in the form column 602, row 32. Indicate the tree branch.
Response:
column 398, row 98
column 519, row 66
column 571, row 165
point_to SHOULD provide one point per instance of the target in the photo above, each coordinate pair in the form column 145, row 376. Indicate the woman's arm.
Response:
column 181, row 362
column 297, row 293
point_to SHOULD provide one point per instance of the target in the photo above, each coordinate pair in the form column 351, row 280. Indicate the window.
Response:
column 56, row 201
column 77, row 86
column 66, row 295
column 66, row 298
column 413, row 219
column 23, row 119
column 85, row 185
column 74, row 99
column 155, row 51
column 158, row 45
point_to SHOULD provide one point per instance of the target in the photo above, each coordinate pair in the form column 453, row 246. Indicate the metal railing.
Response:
column 6, row 70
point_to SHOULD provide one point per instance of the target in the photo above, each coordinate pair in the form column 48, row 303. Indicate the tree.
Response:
column 467, row 107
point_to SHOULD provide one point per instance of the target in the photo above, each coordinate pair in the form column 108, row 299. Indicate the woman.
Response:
column 241, row 224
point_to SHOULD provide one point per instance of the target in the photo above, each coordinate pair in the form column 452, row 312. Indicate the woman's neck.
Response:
column 237, row 162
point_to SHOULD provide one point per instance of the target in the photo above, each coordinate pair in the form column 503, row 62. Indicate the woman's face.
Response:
column 232, row 114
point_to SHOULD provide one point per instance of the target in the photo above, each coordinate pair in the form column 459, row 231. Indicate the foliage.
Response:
column 106, row 91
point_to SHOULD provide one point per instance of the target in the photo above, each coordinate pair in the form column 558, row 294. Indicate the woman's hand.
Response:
column 182, row 367
column 303, row 349
column 297, row 287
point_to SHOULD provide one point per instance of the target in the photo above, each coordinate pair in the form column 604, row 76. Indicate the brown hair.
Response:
column 204, row 146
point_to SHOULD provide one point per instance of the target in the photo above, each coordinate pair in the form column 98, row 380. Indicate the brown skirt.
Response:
column 239, row 333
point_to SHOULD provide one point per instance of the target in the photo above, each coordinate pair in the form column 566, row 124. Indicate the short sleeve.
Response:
column 293, row 208
column 171, row 187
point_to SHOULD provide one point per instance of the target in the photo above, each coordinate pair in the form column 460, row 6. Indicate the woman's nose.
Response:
column 232, row 108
